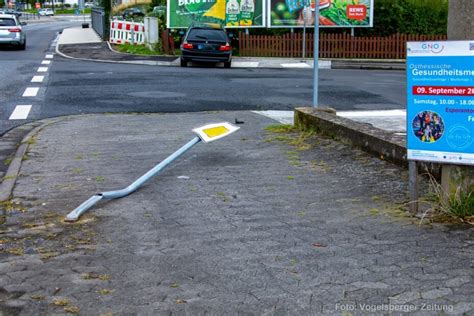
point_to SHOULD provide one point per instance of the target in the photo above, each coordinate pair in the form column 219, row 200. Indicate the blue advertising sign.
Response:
column 440, row 101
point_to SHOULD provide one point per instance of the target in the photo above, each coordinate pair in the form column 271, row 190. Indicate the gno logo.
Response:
column 433, row 47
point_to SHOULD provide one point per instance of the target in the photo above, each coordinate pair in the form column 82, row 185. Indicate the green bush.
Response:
column 72, row 11
column 409, row 17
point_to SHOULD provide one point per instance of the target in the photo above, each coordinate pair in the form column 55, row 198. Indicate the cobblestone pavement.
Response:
column 259, row 223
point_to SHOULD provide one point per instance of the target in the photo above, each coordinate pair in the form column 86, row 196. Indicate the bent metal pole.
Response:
column 207, row 133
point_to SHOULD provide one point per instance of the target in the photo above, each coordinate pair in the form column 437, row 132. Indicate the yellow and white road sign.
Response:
column 211, row 132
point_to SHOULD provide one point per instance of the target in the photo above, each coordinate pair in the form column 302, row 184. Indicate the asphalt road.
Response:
column 75, row 87
column 17, row 68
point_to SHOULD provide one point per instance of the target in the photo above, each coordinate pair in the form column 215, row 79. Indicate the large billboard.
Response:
column 440, row 102
column 332, row 13
column 229, row 13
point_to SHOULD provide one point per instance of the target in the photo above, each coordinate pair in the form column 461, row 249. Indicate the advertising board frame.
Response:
column 440, row 96
column 264, row 19
column 269, row 24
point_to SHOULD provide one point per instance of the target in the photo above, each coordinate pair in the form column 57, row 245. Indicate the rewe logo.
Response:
column 435, row 48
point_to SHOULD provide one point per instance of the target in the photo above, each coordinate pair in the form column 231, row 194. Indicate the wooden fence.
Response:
column 330, row 45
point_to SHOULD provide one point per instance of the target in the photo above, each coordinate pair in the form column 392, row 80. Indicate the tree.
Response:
column 460, row 27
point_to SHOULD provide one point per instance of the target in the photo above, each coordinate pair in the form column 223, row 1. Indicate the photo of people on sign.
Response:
column 428, row 126
column 332, row 13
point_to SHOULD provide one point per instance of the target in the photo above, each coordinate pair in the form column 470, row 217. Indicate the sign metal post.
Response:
column 316, row 55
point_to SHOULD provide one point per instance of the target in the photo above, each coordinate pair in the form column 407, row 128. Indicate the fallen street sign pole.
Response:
column 207, row 133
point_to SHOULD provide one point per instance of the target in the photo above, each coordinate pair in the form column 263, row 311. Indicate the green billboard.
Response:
column 228, row 13
column 332, row 13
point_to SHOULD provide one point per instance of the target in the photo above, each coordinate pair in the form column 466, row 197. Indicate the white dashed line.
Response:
column 30, row 92
column 379, row 113
column 37, row 79
column 21, row 112
column 49, row 56
column 43, row 69
column 46, row 62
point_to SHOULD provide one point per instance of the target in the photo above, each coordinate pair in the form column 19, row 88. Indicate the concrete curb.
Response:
column 7, row 185
column 383, row 144
column 369, row 64
column 135, row 62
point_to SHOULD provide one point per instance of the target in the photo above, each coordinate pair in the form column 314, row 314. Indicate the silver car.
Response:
column 46, row 12
column 11, row 32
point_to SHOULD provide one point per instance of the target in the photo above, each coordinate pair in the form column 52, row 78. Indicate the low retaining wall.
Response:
column 383, row 144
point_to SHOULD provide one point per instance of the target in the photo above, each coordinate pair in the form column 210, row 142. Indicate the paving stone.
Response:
column 404, row 298
column 463, row 307
column 436, row 293
column 456, row 282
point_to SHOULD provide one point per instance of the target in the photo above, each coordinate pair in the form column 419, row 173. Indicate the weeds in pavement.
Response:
column 138, row 49
column 292, row 135
column 459, row 205
column 8, row 178
column 99, row 178
column 8, row 161
column 106, row 291
column 31, row 141
column 72, row 309
column 60, row 302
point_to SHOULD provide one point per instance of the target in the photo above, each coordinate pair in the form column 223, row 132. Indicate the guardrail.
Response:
column 29, row 16
column 98, row 22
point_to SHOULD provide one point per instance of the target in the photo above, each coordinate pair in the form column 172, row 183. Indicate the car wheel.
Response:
column 227, row 64
column 23, row 46
column 183, row 63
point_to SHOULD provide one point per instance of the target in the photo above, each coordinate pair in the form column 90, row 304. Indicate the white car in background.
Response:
column 46, row 12
column 11, row 32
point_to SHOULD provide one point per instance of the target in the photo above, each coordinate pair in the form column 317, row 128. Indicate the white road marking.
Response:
column 43, row 69
column 37, row 79
column 46, row 62
column 49, row 56
column 244, row 64
column 30, row 92
column 382, row 113
column 21, row 112
column 284, row 117
column 296, row 65
column 389, row 120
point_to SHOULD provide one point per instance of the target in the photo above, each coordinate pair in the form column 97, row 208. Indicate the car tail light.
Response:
column 14, row 30
column 225, row 47
column 187, row 46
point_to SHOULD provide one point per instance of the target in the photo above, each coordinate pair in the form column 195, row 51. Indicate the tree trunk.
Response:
column 460, row 27
column 460, row 20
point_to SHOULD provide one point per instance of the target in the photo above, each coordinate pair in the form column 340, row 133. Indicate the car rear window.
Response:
column 7, row 22
column 206, row 34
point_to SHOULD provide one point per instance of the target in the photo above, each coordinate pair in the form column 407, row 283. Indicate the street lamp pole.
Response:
column 316, row 54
